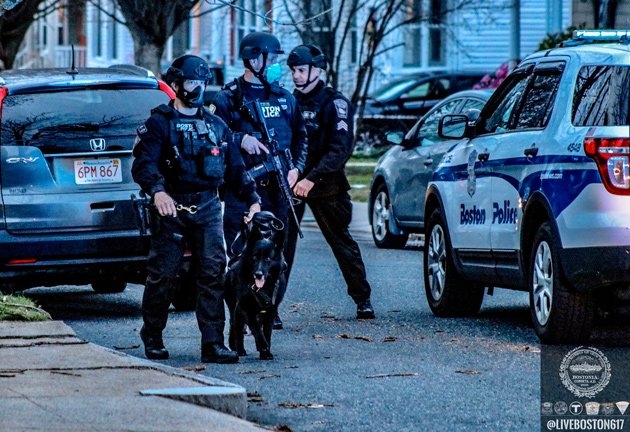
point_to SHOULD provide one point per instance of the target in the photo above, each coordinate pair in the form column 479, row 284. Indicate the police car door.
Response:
column 471, row 217
column 518, row 159
column 416, row 165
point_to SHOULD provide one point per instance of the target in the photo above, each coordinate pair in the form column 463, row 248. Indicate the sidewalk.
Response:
column 53, row 381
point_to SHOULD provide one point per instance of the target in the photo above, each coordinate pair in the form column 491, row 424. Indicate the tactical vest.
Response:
column 194, row 154
column 277, row 113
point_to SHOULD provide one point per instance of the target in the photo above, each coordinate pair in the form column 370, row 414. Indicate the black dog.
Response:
column 256, row 283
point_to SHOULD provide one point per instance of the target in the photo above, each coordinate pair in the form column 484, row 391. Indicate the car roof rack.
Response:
column 590, row 36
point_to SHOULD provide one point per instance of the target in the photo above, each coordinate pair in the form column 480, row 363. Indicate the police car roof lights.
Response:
column 594, row 35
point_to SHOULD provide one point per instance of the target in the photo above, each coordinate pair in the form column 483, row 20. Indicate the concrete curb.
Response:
column 219, row 395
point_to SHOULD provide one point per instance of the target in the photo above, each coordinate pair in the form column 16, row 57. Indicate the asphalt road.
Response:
column 404, row 371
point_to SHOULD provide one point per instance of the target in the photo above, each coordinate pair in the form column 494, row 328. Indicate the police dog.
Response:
column 256, row 283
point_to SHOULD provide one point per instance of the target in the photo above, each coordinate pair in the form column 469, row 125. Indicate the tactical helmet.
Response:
column 256, row 43
column 188, row 67
column 307, row 55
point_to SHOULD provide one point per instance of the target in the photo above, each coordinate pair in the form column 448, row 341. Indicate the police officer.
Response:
column 259, row 81
column 183, row 154
column 323, row 184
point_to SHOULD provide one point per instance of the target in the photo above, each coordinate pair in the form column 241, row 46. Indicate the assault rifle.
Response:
column 279, row 162
column 142, row 210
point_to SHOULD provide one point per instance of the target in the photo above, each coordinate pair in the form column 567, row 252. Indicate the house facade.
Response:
column 474, row 38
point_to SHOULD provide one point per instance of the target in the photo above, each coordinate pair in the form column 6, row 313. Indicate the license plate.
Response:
column 97, row 171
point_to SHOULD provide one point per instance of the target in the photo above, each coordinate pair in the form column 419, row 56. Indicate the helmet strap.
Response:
column 261, row 74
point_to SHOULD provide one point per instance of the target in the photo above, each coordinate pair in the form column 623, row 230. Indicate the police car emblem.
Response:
column 342, row 108
column 585, row 371
column 472, row 179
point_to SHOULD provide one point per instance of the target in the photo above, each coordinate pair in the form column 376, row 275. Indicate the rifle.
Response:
column 141, row 208
column 278, row 162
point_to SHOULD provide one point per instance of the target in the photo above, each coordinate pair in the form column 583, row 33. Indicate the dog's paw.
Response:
column 266, row 355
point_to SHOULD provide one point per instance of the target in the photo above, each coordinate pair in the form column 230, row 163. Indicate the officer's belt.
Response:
column 195, row 197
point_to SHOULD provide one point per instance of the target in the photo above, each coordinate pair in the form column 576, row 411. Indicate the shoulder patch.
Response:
column 142, row 129
column 342, row 125
column 342, row 108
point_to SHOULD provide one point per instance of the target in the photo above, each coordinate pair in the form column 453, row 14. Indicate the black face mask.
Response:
column 193, row 98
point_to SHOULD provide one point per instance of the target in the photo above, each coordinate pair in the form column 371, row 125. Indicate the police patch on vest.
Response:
column 342, row 125
column 270, row 111
column 342, row 108
column 185, row 127
column 142, row 129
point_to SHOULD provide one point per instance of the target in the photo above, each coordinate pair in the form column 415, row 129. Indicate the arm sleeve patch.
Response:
column 342, row 108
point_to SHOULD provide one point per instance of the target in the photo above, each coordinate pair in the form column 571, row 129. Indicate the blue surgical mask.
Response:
column 273, row 73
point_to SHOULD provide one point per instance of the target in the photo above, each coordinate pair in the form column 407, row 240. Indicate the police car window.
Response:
column 601, row 96
column 498, row 119
column 538, row 103
column 428, row 131
column 472, row 104
column 64, row 121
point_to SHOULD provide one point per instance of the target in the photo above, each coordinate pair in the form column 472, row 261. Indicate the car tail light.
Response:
column 23, row 261
column 166, row 89
column 612, row 156
column 3, row 94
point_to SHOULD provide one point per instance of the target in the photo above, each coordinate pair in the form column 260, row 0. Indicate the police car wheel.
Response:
column 559, row 315
column 109, row 285
column 448, row 294
column 381, row 208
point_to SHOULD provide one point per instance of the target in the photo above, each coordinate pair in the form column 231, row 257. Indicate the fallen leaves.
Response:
column 468, row 372
column 347, row 336
column 255, row 397
column 296, row 307
column 390, row 339
column 248, row 372
column 297, row 405
column 263, row 377
column 126, row 347
column 394, row 374
column 197, row 368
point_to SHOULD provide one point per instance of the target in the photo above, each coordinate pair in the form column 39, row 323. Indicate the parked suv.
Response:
column 65, row 176
column 537, row 195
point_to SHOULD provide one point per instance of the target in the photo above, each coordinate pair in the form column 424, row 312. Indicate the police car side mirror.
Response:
column 453, row 126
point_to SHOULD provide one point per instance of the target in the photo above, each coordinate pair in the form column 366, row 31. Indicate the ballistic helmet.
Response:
column 188, row 67
column 309, row 55
column 256, row 43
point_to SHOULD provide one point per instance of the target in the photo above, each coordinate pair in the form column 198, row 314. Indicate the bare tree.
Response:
column 13, row 26
column 151, row 23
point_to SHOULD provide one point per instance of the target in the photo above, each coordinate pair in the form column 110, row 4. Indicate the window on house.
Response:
column 245, row 21
column 436, row 33
column 98, row 30
column 182, row 39
column 113, row 35
column 413, row 34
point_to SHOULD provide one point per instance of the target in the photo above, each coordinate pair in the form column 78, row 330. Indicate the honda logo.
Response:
column 98, row 144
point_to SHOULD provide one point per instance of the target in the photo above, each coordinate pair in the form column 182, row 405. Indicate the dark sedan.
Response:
column 401, row 175
column 396, row 105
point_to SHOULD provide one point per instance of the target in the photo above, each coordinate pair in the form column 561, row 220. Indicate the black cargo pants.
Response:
column 333, row 215
column 203, row 233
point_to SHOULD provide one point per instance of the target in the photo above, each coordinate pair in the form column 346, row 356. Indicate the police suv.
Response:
column 536, row 196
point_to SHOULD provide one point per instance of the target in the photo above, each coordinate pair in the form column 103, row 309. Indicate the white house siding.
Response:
column 482, row 41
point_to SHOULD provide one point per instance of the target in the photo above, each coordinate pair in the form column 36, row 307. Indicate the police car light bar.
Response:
column 602, row 35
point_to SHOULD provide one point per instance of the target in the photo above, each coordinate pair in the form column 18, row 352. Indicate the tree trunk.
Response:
column 148, row 55
column 13, row 26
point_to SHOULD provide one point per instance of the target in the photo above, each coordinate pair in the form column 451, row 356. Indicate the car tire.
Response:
column 109, row 285
column 448, row 294
column 559, row 314
column 381, row 208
